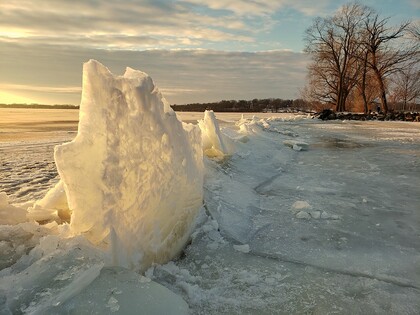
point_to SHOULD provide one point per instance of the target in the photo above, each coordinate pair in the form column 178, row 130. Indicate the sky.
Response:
column 195, row 50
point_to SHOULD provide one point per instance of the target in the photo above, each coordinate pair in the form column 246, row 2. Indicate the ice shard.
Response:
column 215, row 144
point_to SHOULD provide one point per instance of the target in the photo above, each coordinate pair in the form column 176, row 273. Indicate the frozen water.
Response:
column 357, row 251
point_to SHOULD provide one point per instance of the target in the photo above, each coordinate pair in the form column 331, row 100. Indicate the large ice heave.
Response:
column 133, row 175
column 215, row 144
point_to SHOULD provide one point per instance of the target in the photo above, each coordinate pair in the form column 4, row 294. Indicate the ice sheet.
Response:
column 356, row 250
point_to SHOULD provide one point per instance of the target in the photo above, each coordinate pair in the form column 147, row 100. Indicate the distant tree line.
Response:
column 360, row 62
column 41, row 106
column 255, row 105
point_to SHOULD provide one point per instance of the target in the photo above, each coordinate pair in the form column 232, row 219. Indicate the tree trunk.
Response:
column 384, row 102
column 363, row 87
column 340, row 107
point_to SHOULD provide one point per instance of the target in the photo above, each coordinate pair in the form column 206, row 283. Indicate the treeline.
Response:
column 40, row 106
column 360, row 61
column 255, row 105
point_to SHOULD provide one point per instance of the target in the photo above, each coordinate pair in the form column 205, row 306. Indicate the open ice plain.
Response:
column 333, row 229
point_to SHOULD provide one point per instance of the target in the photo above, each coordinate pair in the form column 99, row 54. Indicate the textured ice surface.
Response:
column 133, row 174
column 357, row 253
column 357, row 231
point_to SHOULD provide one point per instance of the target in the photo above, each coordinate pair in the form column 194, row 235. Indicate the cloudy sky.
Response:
column 195, row 50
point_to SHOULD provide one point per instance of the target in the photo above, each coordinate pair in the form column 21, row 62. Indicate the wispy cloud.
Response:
column 115, row 24
column 141, row 24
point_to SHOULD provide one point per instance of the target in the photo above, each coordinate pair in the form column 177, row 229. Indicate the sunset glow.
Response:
column 212, row 50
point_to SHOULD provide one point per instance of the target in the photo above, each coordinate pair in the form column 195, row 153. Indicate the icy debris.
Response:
column 17, row 240
column 301, row 204
column 10, row 215
column 215, row 144
column 296, row 145
column 303, row 215
column 302, row 210
column 53, row 207
column 315, row 214
column 326, row 215
column 133, row 175
column 60, row 268
column 113, row 304
column 242, row 248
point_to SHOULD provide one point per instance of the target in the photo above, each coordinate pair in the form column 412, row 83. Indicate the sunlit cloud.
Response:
column 35, row 88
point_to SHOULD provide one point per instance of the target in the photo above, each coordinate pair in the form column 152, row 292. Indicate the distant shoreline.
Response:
column 40, row 106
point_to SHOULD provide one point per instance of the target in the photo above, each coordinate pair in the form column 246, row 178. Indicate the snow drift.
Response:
column 133, row 175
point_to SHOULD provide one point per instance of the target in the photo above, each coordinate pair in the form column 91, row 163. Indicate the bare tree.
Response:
column 334, row 45
column 406, row 85
column 386, row 49
column 415, row 31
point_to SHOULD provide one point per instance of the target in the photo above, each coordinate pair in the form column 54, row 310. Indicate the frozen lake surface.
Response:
column 330, row 225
